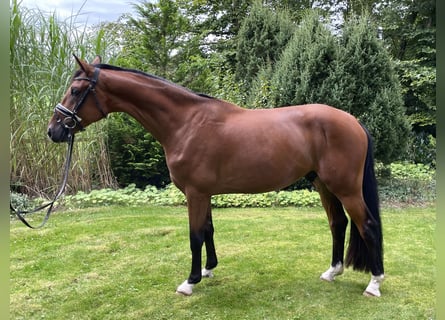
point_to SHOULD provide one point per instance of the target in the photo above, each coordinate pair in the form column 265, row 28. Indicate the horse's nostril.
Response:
column 49, row 132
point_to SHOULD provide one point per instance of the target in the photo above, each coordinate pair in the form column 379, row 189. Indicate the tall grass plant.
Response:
column 41, row 67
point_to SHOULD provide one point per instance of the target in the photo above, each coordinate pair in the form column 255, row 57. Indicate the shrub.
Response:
column 20, row 201
column 406, row 183
column 399, row 183
column 23, row 202
column 172, row 196
column 135, row 156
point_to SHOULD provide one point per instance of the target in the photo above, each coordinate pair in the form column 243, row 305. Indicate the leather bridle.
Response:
column 70, row 121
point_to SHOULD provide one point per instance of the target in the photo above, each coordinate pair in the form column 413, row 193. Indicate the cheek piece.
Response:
column 70, row 119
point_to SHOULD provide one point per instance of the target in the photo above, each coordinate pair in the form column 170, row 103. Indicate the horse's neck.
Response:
column 162, row 108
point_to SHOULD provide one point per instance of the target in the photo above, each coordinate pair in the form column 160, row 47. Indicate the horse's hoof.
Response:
column 373, row 288
column 330, row 274
column 185, row 289
column 368, row 293
column 327, row 278
column 206, row 273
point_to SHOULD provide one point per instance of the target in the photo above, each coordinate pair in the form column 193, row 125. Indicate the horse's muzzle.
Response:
column 58, row 133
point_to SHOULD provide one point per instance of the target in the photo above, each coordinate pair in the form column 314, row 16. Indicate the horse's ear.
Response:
column 82, row 64
column 97, row 60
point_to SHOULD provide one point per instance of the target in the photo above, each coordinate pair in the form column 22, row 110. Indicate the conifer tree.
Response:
column 263, row 35
column 370, row 88
column 353, row 72
column 305, row 65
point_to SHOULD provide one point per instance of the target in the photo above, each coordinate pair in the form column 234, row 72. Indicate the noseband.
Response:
column 71, row 119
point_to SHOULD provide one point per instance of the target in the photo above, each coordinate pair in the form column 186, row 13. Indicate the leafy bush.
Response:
column 171, row 196
column 411, row 171
column 406, row 183
column 298, row 198
column 23, row 202
column 135, row 156
column 398, row 183
column 20, row 201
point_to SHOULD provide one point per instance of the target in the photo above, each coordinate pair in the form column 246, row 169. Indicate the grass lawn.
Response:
column 125, row 263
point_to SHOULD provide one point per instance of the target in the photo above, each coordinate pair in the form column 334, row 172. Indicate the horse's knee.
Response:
column 196, row 241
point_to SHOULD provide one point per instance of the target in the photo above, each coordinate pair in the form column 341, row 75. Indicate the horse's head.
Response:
column 80, row 105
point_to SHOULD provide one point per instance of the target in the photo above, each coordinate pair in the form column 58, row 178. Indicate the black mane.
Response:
column 111, row 67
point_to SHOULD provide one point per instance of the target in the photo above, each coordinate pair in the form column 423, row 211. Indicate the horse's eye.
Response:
column 74, row 91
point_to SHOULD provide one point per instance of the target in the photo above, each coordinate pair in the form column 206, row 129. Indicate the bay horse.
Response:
column 214, row 147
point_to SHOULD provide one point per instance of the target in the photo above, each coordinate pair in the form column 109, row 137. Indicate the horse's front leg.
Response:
column 198, row 209
column 212, row 260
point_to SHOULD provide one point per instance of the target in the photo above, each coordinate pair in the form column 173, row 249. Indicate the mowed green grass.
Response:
column 125, row 263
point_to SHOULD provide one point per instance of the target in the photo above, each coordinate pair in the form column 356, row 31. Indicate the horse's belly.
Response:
column 258, row 176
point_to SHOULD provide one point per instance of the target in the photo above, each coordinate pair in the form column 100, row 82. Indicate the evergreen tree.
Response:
column 370, row 88
column 409, row 31
column 162, row 28
column 263, row 35
column 353, row 73
column 302, row 73
column 135, row 156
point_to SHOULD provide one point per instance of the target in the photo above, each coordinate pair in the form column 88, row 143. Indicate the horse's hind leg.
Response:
column 365, row 248
column 337, row 223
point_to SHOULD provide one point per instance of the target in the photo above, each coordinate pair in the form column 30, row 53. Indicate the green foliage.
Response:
column 411, row 171
column 221, row 19
column 162, row 32
column 297, row 198
column 419, row 88
column 171, row 196
column 128, row 196
column 423, row 149
column 399, row 184
column 353, row 73
column 409, row 31
column 406, row 184
column 262, row 37
column 371, row 89
column 261, row 89
column 135, row 156
column 200, row 44
column 23, row 202
column 226, row 87
column 20, row 201
column 200, row 73
column 301, row 73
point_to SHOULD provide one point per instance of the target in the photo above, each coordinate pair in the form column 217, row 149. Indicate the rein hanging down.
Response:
column 50, row 205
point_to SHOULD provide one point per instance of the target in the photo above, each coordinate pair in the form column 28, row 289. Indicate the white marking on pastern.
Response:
column 332, row 272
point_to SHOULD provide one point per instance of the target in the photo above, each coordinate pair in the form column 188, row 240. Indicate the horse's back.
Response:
column 312, row 129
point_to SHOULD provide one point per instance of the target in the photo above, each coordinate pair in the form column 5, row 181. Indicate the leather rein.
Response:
column 50, row 205
column 70, row 121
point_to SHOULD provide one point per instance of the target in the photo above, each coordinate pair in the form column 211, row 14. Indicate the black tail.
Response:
column 359, row 254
